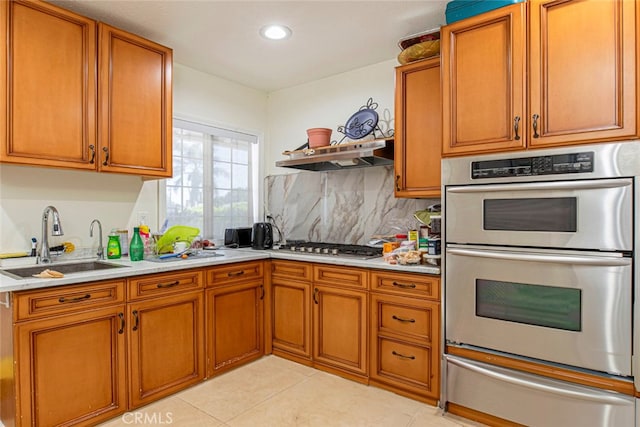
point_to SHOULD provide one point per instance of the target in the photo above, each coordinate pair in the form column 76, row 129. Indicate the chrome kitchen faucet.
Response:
column 100, row 252
column 44, row 257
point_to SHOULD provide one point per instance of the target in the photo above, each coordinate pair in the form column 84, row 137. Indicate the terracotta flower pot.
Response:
column 319, row 137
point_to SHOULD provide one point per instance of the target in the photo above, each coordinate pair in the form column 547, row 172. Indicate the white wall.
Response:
column 280, row 120
column 115, row 200
column 325, row 103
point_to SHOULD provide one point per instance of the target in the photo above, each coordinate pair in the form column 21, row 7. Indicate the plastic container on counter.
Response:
column 432, row 260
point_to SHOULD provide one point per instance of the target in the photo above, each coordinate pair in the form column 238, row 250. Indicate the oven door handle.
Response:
column 538, row 186
column 541, row 384
column 555, row 258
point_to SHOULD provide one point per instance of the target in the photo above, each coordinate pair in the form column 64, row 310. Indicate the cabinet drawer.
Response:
column 340, row 276
column 64, row 299
column 406, row 284
column 402, row 362
column 404, row 318
column 234, row 273
column 165, row 284
column 292, row 270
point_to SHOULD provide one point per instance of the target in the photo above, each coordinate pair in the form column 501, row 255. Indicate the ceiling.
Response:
column 221, row 37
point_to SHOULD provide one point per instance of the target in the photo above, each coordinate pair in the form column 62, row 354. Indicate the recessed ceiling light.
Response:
column 275, row 32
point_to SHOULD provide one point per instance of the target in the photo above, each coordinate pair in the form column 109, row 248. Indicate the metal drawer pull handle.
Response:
column 136, row 319
column 397, row 182
column 262, row 289
column 522, row 380
column 106, row 157
column 400, row 319
column 168, row 285
column 235, row 273
column 516, row 127
column 538, row 257
column 404, row 285
column 544, row 186
column 121, row 316
column 315, row 294
column 395, row 353
column 535, row 125
column 64, row 300
column 93, row 154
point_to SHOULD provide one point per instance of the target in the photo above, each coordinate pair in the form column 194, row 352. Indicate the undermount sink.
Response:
column 66, row 268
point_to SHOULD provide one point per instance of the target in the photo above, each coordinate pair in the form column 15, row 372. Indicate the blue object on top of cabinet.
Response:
column 461, row 9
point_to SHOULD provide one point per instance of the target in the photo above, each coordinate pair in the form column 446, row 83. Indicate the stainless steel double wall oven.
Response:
column 541, row 265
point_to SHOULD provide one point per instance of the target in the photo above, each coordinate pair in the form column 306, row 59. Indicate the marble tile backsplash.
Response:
column 349, row 206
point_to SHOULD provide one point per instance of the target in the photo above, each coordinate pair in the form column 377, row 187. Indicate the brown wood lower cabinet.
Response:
column 405, row 344
column 235, row 327
column 165, row 330
column 340, row 321
column 291, row 314
column 70, row 368
column 166, row 346
column 340, row 329
column 373, row 326
column 89, row 352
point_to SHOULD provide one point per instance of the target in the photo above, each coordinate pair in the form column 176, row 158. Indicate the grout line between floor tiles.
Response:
column 200, row 410
column 271, row 396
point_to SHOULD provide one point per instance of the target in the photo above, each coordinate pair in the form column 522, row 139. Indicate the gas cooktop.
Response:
column 334, row 249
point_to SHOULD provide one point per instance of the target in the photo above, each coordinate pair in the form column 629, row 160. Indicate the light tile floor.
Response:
column 276, row 392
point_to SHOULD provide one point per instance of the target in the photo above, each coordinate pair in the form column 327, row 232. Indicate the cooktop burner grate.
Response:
column 335, row 249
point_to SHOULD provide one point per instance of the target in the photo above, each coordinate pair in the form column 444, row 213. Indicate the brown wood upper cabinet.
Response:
column 418, row 129
column 582, row 76
column 53, row 62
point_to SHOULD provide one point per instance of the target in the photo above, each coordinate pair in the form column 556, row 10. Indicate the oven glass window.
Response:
column 539, row 305
column 535, row 214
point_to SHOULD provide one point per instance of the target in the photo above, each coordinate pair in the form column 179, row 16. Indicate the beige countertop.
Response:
column 129, row 268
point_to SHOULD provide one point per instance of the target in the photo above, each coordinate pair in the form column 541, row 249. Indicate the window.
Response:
column 214, row 184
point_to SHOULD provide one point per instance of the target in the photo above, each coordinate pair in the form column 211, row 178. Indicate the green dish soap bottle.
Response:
column 113, row 247
column 136, row 247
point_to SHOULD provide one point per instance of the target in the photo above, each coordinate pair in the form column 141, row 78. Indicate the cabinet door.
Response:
column 71, row 368
column 291, row 325
column 583, row 71
column 340, row 329
column 234, row 325
column 47, row 95
column 483, row 82
column 166, row 346
column 418, row 137
column 135, row 110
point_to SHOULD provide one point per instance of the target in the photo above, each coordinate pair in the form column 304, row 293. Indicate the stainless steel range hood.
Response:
column 341, row 156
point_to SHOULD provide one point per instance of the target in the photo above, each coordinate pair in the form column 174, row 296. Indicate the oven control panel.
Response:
column 529, row 166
